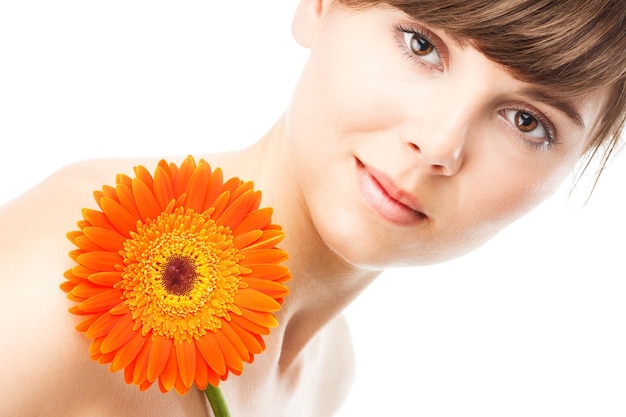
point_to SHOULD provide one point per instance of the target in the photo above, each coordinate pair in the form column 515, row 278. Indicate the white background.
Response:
column 532, row 324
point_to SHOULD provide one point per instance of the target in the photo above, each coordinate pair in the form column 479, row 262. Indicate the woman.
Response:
column 408, row 141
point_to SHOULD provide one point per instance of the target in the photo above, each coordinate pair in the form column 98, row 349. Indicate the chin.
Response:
column 368, row 250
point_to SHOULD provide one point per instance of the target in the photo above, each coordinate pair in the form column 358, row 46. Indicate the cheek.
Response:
column 343, row 91
column 488, row 194
column 504, row 193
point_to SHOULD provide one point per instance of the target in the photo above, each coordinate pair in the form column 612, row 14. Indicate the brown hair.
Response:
column 571, row 47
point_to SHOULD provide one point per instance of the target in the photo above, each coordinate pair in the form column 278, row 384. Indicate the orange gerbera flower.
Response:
column 178, row 276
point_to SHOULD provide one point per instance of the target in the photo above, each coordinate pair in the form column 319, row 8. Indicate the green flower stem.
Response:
column 217, row 401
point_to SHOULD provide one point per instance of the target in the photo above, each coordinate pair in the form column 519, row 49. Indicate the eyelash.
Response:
column 545, row 145
column 551, row 138
column 402, row 29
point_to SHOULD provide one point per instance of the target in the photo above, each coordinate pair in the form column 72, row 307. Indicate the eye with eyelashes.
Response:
column 424, row 48
column 531, row 127
column 420, row 47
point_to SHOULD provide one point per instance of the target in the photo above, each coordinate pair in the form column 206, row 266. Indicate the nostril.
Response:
column 414, row 147
column 439, row 169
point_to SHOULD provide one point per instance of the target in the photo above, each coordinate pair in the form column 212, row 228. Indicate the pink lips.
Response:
column 388, row 200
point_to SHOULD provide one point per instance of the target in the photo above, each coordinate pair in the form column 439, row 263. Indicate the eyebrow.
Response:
column 534, row 93
column 557, row 103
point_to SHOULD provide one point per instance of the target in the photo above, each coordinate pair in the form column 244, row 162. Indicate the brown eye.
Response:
column 421, row 46
column 534, row 130
column 525, row 122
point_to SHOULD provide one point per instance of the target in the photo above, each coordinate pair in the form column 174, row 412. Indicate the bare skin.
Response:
column 358, row 179
column 308, row 357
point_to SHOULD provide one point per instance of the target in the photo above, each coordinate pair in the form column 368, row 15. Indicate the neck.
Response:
column 322, row 283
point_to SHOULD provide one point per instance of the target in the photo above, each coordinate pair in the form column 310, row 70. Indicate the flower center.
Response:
column 179, row 275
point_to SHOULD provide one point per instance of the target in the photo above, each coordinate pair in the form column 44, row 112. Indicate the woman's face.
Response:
column 411, row 149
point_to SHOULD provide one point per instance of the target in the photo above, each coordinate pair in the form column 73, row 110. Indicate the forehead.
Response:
column 561, row 44
column 579, row 100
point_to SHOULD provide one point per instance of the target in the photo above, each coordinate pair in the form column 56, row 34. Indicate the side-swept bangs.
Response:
column 569, row 47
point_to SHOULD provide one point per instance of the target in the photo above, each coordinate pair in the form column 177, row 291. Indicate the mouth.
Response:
column 386, row 199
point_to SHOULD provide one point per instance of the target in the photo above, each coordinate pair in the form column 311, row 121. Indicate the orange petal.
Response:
column 84, row 325
column 107, row 239
column 204, row 373
column 162, row 387
column 256, row 202
column 122, row 219
column 78, row 312
column 186, row 356
column 271, row 288
column 147, row 203
column 262, row 318
column 97, row 218
column 263, row 256
column 128, row 352
column 145, row 385
column 196, row 188
column 220, row 204
column 244, row 239
column 67, row 286
column 123, row 179
column 210, row 350
column 106, row 278
column 170, row 169
column 259, row 339
column 121, row 333
column 163, row 187
column 201, row 377
column 128, row 373
column 72, row 297
column 107, row 192
column 81, row 271
column 144, row 175
column 249, row 326
column 94, row 347
column 167, row 379
column 184, row 174
column 86, row 289
column 236, row 187
column 235, row 212
column 231, row 357
column 85, row 244
column 83, row 223
column 252, row 343
column 100, row 260
column 71, row 236
column 101, row 302
column 180, row 386
column 269, row 271
column 105, row 358
column 120, row 310
column 269, row 239
column 74, row 254
column 159, row 356
column 214, row 188
column 71, row 277
column 140, row 371
column 255, row 300
column 127, row 200
column 236, row 341
column 102, row 326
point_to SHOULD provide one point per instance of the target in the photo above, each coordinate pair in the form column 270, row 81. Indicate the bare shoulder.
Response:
column 337, row 366
column 45, row 361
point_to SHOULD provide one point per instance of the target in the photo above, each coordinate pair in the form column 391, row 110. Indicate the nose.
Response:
column 438, row 138
column 440, row 161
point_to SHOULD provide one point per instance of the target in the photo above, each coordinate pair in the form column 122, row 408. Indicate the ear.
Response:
column 307, row 19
